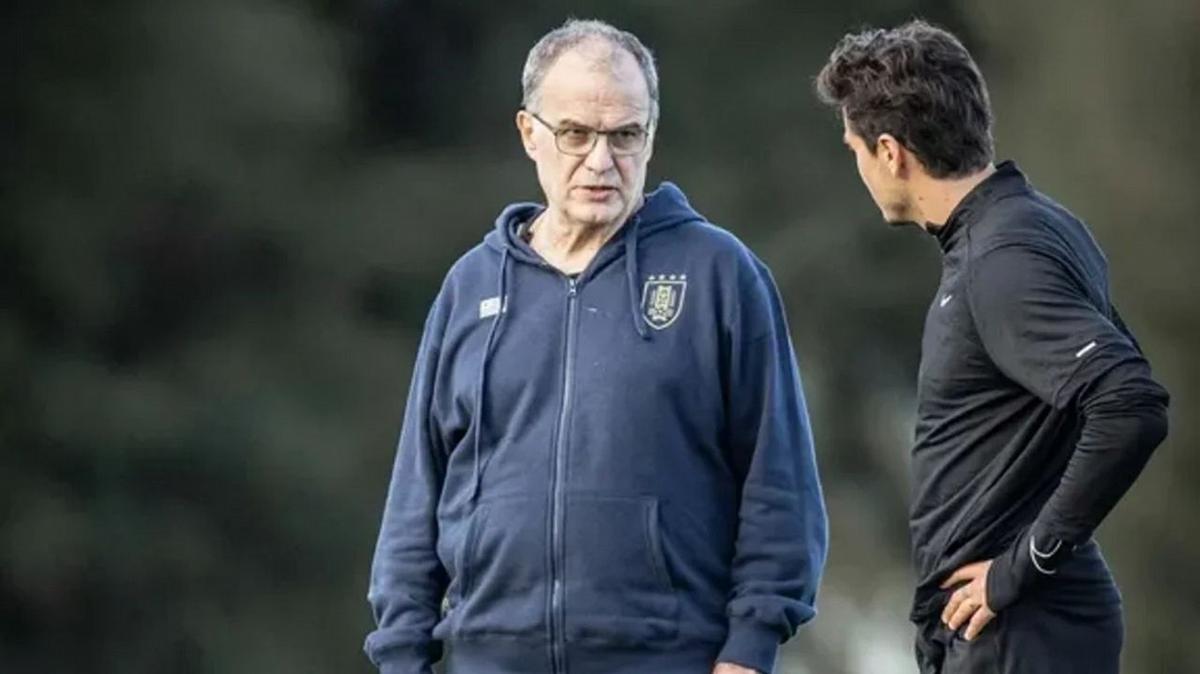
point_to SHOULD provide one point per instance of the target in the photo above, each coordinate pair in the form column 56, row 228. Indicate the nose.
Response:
column 600, row 159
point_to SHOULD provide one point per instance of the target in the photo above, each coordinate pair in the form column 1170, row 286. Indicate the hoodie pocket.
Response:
column 617, row 587
column 503, row 579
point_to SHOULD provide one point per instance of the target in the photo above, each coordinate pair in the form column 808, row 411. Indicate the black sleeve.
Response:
column 1041, row 327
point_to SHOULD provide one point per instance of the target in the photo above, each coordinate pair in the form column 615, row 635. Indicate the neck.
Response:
column 936, row 198
column 569, row 246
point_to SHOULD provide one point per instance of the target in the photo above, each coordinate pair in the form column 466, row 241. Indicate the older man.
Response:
column 606, row 463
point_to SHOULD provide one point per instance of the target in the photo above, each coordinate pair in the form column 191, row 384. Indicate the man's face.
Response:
column 597, row 87
column 879, row 173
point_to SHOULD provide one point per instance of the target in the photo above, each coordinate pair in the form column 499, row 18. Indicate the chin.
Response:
column 596, row 214
column 898, row 217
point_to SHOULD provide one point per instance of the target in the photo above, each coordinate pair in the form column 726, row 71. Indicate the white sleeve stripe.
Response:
column 1034, row 554
column 1091, row 345
column 1039, row 553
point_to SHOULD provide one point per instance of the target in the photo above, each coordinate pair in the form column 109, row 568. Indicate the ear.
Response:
column 893, row 154
column 525, row 128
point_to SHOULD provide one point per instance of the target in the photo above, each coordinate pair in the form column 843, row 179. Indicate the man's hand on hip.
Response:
column 968, row 604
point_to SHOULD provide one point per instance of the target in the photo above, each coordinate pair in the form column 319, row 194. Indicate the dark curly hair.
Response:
column 918, row 83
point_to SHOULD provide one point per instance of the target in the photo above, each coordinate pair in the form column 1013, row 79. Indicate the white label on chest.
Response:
column 489, row 307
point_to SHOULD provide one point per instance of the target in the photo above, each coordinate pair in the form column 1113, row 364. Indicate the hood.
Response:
column 663, row 208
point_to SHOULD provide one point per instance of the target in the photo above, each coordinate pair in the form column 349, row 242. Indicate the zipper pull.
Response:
column 570, row 287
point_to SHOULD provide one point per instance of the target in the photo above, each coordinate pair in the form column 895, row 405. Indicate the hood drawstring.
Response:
column 492, row 337
column 631, row 278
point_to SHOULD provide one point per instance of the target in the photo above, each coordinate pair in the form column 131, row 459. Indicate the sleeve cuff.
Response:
column 1027, row 561
column 398, row 667
column 405, row 666
column 750, row 644
column 407, row 659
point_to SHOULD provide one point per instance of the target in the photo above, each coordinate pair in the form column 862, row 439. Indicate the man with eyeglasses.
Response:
column 605, row 464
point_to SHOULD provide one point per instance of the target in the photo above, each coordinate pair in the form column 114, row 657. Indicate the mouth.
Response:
column 597, row 191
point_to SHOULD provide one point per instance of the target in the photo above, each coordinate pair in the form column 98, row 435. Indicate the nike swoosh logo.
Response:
column 945, row 300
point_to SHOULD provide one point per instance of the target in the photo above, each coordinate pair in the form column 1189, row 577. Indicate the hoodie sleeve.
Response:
column 782, row 530
column 407, row 578
column 1045, row 332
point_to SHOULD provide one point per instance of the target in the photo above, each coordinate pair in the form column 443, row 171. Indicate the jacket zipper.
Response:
column 557, row 549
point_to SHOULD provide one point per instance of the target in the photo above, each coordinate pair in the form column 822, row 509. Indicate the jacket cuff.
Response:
column 401, row 666
column 750, row 644
column 407, row 659
column 1026, row 562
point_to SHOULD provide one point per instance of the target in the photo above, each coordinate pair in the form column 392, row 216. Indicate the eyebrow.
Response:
column 620, row 127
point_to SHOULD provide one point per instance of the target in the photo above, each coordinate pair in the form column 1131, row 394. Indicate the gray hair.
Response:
column 572, row 34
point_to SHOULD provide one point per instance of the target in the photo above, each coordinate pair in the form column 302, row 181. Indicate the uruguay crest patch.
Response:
column 662, row 299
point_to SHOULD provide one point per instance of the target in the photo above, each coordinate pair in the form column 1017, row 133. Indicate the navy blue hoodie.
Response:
column 611, row 473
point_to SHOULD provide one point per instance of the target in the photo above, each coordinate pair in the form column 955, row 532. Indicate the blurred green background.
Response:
column 223, row 222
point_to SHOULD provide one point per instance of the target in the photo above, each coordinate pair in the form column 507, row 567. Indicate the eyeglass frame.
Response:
column 594, row 134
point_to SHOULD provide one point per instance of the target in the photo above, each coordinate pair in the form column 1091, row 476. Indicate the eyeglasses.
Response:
column 579, row 140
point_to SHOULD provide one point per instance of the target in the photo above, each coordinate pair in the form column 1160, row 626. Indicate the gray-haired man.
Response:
column 606, row 465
